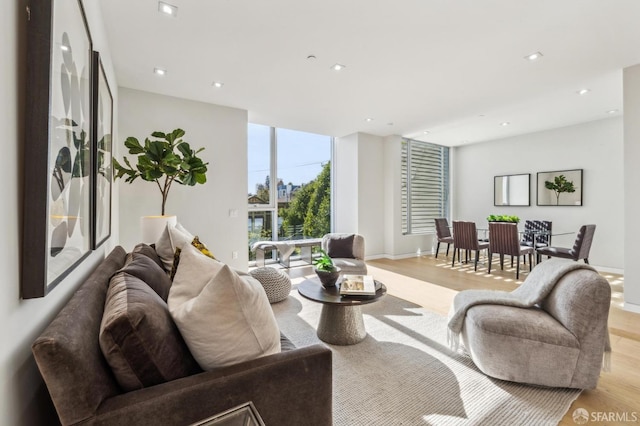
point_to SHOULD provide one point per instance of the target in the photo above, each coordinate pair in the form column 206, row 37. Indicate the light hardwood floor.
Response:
column 432, row 283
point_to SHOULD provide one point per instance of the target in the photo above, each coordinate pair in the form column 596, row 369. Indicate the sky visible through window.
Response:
column 301, row 155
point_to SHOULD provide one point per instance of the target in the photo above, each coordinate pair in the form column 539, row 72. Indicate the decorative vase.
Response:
column 328, row 278
column 152, row 227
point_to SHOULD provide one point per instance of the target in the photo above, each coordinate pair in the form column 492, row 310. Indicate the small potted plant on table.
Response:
column 326, row 270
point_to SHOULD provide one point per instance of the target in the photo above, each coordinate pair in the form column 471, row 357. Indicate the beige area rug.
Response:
column 403, row 373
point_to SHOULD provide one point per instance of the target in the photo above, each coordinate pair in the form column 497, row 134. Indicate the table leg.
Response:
column 341, row 325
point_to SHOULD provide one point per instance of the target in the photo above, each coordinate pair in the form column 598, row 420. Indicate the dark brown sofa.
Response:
column 293, row 387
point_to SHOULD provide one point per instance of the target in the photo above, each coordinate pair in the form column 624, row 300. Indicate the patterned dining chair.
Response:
column 503, row 239
column 465, row 237
column 443, row 234
column 538, row 232
column 580, row 249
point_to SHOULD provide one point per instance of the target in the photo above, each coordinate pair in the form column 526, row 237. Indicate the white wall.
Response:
column 345, row 185
column 23, row 397
column 631, row 79
column 358, row 189
column 595, row 147
column 202, row 209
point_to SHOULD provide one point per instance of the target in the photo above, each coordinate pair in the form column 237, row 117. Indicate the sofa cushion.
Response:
column 150, row 272
column 224, row 318
column 341, row 246
column 138, row 338
column 148, row 251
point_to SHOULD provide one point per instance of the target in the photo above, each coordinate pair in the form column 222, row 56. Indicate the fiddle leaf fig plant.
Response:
column 559, row 185
column 164, row 160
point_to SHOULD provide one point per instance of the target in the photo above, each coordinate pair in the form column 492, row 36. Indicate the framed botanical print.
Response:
column 560, row 188
column 102, row 148
column 57, row 150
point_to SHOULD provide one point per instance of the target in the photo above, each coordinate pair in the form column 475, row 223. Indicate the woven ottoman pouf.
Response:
column 276, row 284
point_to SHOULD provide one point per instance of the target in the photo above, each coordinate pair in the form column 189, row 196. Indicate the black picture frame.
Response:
column 102, row 131
column 548, row 197
column 57, row 214
column 512, row 190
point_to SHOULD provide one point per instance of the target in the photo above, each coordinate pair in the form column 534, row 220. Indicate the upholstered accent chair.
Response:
column 503, row 239
column 346, row 251
column 537, row 233
column 560, row 342
column 443, row 234
column 465, row 237
column 581, row 247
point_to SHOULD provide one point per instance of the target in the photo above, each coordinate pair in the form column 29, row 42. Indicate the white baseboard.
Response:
column 631, row 307
column 609, row 270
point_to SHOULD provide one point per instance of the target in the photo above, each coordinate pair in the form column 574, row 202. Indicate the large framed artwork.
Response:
column 560, row 188
column 57, row 226
column 102, row 131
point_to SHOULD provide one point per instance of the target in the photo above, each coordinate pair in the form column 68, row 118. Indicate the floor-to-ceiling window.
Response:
column 289, row 192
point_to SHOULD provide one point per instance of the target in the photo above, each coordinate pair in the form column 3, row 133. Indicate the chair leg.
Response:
column 437, row 249
column 512, row 260
column 586, row 260
column 489, row 266
column 518, row 270
column 453, row 261
column 475, row 265
column 501, row 262
column 448, row 249
column 530, row 262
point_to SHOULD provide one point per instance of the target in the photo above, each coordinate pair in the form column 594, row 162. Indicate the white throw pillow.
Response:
column 171, row 238
column 224, row 318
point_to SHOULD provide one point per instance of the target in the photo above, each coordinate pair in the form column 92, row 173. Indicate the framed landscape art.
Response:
column 102, row 149
column 57, row 226
column 560, row 188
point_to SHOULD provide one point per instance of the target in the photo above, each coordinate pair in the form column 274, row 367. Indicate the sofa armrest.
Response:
column 292, row 387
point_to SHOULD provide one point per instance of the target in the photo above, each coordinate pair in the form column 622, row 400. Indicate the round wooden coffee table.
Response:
column 341, row 321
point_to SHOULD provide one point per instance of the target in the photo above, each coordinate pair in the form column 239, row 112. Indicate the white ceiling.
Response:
column 453, row 67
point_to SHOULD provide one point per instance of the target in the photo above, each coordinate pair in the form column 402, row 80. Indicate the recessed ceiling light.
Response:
column 159, row 71
column 338, row 67
column 167, row 9
column 311, row 57
column 64, row 48
column 533, row 56
column 426, row 132
column 505, row 123
column 583, row 91
column 368, row 120
column 217, row 84
column 612, row 111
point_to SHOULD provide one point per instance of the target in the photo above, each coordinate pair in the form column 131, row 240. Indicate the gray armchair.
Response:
column 558, row 342
column 346, row 251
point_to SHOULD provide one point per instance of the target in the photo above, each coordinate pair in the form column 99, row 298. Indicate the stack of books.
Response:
column 357, row 285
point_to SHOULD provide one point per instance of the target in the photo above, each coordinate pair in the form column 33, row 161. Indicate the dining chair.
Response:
column 503, row 239
column 443, row 234
column 537, row 233
column 465, row 237
column 580, row 249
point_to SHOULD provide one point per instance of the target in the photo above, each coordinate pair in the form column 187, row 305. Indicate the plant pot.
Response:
column 328, row 278
column 152, row 227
